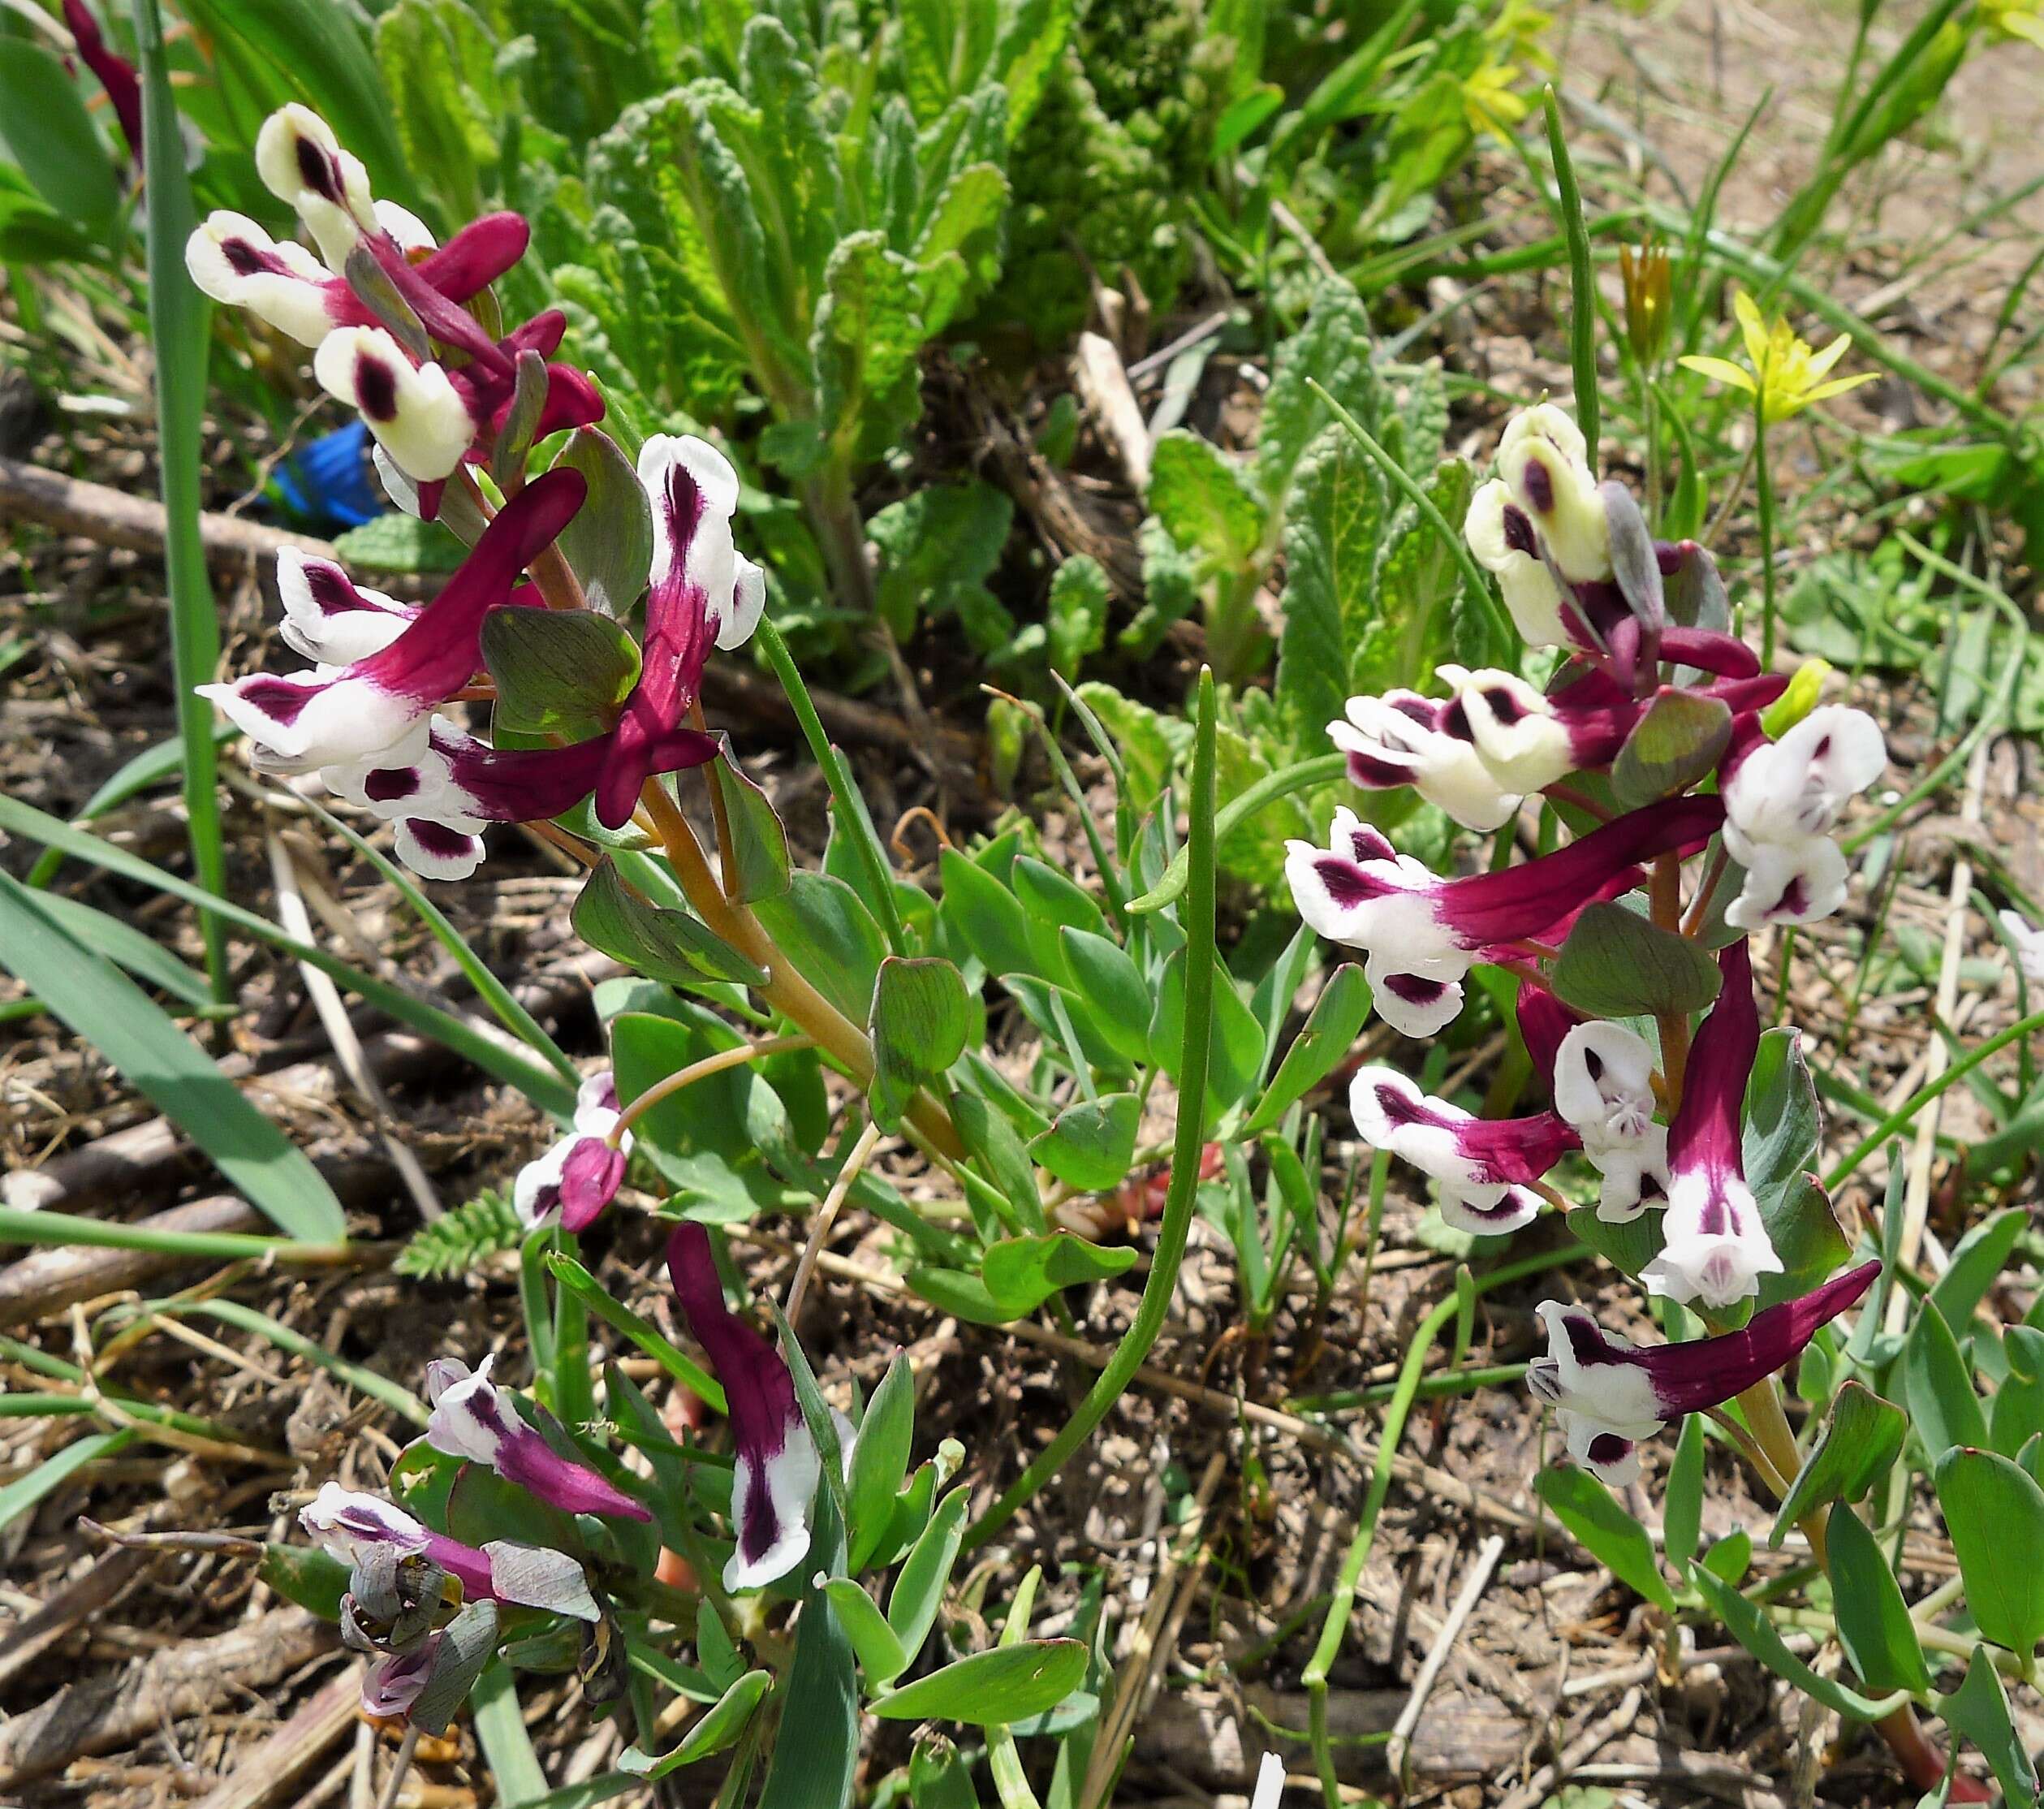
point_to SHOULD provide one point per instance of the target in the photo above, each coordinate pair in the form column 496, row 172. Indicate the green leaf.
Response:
column 880, row 1653
column 1327, row 1035
column 1201, row 500
column 1784, row 1127
column 758, row 861
column 985, row 917
column 1333, row 528
column 663, row 944
column 1682, row 1502
column 559, row 671
column 991, row 1689
column 1116, row 995
column 1592, row 1512
column 122, row 943
column 1681, row 737
column 1855, row 1448
column 100, row 1005
column 400, row 542
column 1420, row 578
column 53, row 138
column 1995, row 1512
column 1976, row 1260
column 919, row 1585
column 438, row 64
column 1979, row 1709
column 2017, row 1415
column 1752, row 1629
column 867, row 334
column 937, row 547
column 879, row 1460
column 456, row 1242
column 313, row 1578
column 1333, row 348
column 921, row 1018
column 608, row 543
column 1092, row 1143
column 821, row 1695
column 1874, row 1623
column 1234, row 1051
column 997, row 1149
column 1616, row 964
column 1938, row 1386
column 1077, row 621
column 1021, row 1273
column 717, row 1728
column 825, row 928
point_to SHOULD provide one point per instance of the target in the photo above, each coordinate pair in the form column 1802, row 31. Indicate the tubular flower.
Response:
column 1610, row 1394
column 1603, row 1088
column 581, row 1174
column 1714, row 1247
column 473, row 1418
column 1421, row 933
column 1782, row 801
column 1399, row 739
column 335, row 714
column 115, row 73
column 350, row 1525
column 1501, row 535
column 778, row 1465
column 235, row 261
column 1481, row 1164
column 1544, row 462
column 1783, row 371
column 301, row 163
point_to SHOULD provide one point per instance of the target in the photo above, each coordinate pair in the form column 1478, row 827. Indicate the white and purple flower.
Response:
column 473, row 1418
column 778, row 1466
column 383, row 703
column 1482, row 1166
column 1714, row 1247
column 1782, row 799
column 1610, row 1394
column 1401, row 739
column 1603, row 1080
column 1421, row 933
column 580, row 1173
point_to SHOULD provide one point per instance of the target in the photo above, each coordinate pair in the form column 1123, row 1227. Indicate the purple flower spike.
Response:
column 1715, row 1248
column 1610, row 1394
column 116, row 74
column 384, row 702
column 1481, row 1164
column 347, row 1524
column 1421, row 933
column 778, row 1465
column 472, row 1419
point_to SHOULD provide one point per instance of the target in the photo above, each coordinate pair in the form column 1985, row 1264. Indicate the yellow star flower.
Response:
column 1786, row 373
column 1488, row 103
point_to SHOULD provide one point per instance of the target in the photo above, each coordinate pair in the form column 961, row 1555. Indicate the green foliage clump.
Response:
column 456, row 1242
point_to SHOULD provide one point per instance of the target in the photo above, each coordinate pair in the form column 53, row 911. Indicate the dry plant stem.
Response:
column 854, row 1165
column 784, row 989
column 701, row 1071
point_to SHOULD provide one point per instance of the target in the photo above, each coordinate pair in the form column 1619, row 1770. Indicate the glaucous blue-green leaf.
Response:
column 1977, row 1258
column 608, row 543
column 558, row 671
column 1021, row 1273
column 984, row 916
column 2017, row 1415
column 1681, row 737
column 1995, row 1512
column 1592, row 1512
column 660, row 942
column 1938, row 1386
column 1978, row 1709
column 757, row 864
column 1091, row 1143
column 1616, row 964
column 920, row 1584
column 991, row 1689
column 879, row 1460
column 820, row 1694
column 1328, row 1034
column 1874, row 1623
column 1117, row 998
column 823, row 927
column 1750, row 1626
column 1854, row 1448
column 1779, row 1147
column 920, row 1019
column 1234, row 1044
column 1682, row 1500
column 711, row 1733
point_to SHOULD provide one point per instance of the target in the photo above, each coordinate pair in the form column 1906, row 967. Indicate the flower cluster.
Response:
column 1652, row 683
column 437, row 393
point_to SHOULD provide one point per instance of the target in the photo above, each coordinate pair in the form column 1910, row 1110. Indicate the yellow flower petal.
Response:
column 1721, row 369
column 1822, row 361
column 1839, row 385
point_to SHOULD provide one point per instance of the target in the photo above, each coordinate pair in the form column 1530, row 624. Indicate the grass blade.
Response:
column 23, row 1492
column 178, row 335
column 103, row 1006
column 1582, row 280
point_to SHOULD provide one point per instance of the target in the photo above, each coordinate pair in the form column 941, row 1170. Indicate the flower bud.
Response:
column 1646, row 278
column 1545, row 464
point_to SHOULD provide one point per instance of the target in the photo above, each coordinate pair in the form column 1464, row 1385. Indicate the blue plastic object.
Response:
column 329, row 484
